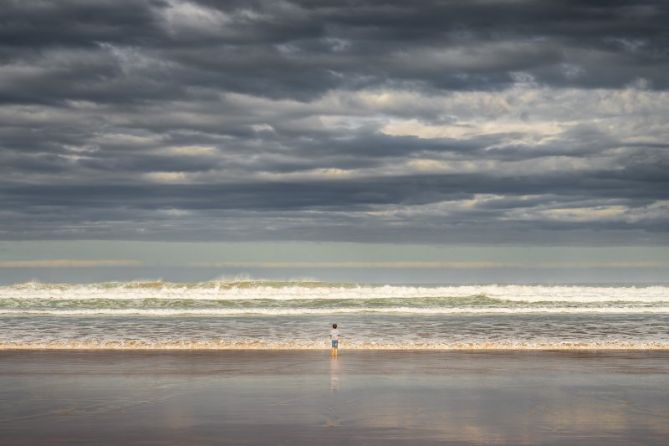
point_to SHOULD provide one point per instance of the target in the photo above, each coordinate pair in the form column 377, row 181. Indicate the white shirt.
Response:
column 334, row 334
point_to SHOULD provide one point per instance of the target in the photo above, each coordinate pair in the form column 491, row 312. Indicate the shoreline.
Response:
column 186, row 348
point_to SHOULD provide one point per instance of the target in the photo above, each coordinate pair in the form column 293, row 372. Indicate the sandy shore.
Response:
column 304, row 398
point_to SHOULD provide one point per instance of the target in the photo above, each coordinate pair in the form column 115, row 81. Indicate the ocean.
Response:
column 256, row 314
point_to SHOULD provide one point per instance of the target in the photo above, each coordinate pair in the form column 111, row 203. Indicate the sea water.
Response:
column 242, row 314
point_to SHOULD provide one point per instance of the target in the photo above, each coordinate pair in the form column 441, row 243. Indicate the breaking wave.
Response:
column 312, row 290
column 251, row 314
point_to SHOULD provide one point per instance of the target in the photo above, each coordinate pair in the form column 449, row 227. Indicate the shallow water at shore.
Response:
column 360, row 332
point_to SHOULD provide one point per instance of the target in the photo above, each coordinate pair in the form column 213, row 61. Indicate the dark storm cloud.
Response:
column 39, row 24
column 299, row 50
column 488, row 121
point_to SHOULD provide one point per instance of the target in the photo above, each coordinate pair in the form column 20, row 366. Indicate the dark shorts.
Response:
column 335, row 344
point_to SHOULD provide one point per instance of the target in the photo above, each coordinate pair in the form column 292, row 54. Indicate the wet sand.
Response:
column 304, row 398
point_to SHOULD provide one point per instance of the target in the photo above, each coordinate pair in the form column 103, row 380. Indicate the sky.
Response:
column 336, row 125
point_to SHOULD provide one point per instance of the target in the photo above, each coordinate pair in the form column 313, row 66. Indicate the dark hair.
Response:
column 334, row 325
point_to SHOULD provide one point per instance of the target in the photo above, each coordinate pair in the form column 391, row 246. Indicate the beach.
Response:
column 305, row 398
column 247, row 363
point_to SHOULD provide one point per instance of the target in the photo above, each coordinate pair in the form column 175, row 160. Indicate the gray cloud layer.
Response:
column 477, row 121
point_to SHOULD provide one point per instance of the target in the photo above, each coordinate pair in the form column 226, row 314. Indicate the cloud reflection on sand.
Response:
column 415, row 398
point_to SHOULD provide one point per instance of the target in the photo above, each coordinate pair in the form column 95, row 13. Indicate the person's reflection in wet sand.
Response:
column 334, row 374
column 331, row 417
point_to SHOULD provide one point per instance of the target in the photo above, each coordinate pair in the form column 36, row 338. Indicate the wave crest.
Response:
column 247, row 289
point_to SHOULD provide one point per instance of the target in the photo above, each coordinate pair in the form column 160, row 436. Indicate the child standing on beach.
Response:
column 334, row 337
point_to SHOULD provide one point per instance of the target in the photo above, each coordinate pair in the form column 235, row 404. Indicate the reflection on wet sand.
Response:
column 334, row 374
column 375, row 398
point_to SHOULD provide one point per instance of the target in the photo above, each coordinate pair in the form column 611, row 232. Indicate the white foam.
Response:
column 325, row 311
column 310, row 290
column 292, row 345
